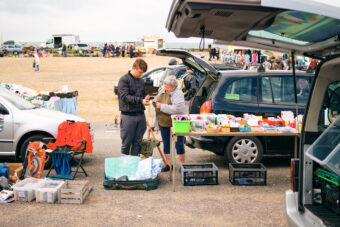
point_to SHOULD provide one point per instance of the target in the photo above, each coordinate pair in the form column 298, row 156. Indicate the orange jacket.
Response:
column 71, row 133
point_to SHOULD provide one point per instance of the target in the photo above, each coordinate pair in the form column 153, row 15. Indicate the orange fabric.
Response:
column 35, row 149
column 71, row 133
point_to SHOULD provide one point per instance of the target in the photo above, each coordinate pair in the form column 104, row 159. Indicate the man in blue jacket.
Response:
column 132, row 99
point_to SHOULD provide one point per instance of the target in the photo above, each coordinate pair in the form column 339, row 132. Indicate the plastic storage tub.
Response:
column 48, row 192
column 326, row 149
column 25, row 190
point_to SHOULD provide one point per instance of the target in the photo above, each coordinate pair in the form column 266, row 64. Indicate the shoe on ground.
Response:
column 166, row 168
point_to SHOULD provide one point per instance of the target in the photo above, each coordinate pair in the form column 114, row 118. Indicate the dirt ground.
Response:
column 220, row 205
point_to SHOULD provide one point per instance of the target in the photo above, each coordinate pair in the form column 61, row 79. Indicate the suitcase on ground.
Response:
column 124, row 166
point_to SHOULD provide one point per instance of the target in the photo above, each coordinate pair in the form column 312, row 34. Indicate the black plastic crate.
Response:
column 199, row 174
column 247, row 174
column 330, row 195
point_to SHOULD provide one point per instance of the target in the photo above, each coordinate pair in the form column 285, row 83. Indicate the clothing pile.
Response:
column 62, row 101
column 132, row 168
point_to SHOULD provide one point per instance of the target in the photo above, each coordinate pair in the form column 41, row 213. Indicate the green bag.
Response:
column 147, row 147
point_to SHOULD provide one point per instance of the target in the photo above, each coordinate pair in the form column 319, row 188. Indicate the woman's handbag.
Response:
column 34, row 64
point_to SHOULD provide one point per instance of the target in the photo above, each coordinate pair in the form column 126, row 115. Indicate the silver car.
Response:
column 13, row 48
column 22, row 122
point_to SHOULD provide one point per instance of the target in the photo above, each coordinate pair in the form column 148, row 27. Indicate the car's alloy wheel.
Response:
column 244, row 150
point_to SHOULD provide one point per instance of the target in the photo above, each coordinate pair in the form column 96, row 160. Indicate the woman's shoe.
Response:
column 166, row 168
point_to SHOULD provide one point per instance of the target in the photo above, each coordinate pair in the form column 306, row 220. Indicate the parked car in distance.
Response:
column 175, row 69
column 81, row 46
column 238, row 92
column 151, row 86
column 13, row 49
column 309, row 28
column 2, row 50
column 23, row 122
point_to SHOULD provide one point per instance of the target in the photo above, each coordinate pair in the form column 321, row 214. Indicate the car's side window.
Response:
column 180, row 73
column 3, row 110
column 331, row 105
column 283, row 89
column 242, row 90
column 267, row 96
column 156, row 76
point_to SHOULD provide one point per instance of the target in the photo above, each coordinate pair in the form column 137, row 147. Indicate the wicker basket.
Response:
column 212, row 130
column 225, row 129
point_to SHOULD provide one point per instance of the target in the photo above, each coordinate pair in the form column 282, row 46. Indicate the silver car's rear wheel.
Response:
column 244, row 150
column 24, row 148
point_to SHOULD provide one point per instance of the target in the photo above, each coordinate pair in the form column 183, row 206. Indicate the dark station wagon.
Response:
column 263, row 94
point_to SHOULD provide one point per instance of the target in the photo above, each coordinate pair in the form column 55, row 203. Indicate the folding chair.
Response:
column 73, row 139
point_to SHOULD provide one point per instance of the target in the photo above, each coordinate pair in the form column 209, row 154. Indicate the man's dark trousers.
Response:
column 132, row 129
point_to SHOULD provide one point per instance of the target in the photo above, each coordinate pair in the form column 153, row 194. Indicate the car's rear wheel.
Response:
column 244, row 150
column 24, row 147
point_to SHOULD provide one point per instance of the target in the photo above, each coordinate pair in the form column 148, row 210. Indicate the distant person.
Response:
column 210, row 52
column 104, row 49
column 246, row 60
column 113, row 50
column 170, row 100
column 117, row 51
column 132, row 51
column 139, row 50
column 123, row 51
column 267, row 64
column 190, row 84
column 37, row 61
column 213, row 52
column 64, row 50
column 313, row 64
column 76, row 48
column 132, row 99
column 218, row 52
column 303, row 87
column 280, row 64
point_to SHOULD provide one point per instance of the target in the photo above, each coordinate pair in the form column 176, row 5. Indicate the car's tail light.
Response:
column 294, row 174
column 206, row 107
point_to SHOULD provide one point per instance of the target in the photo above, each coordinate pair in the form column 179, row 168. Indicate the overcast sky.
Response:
column 92, row 20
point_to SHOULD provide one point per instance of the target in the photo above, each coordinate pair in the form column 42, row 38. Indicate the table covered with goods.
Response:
column 228, row 125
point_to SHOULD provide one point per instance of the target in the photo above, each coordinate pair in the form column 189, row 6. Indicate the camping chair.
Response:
column 73, row 139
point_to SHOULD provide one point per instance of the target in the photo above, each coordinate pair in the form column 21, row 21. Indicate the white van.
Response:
column 58, row 40
column 309, row 28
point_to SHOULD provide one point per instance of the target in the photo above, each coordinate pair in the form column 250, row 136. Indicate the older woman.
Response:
column 170, row 100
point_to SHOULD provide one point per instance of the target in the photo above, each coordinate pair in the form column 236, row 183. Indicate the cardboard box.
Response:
column 14, row 169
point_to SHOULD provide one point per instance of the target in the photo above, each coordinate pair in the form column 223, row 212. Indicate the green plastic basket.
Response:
column 328, row 176
column 181, row 126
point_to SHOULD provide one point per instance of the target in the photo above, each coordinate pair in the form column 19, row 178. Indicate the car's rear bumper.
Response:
column 294, row 216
